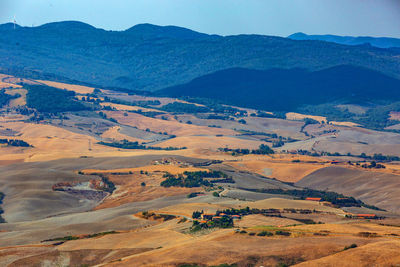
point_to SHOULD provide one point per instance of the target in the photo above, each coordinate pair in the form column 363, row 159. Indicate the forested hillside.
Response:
column 149, row 57
column 287, row 90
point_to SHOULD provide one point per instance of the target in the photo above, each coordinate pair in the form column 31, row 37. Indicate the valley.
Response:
column 98, row 177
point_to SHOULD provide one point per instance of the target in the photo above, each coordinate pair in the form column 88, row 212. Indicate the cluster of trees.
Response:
column 93, row 100
column 308, row 121
column 217, row 107
column 278, row 143
column 109, row 186
column 141, row 103
column 5, row 98
column 223, row 222
column 275, row 115
column 125, row 144
column 24, row 110
column 151, row 215
column 70, row 237
column 193, row 194
column 262, row 150
column 14, row 142
column 52, row 100
column 197, row 214
column 277, row 140
column 373, row 165
column 375, row 117
column 104, row 116
column 329, row 196
column 375, row 157
column 219, row 117
column 179, row 107
column 379, row 157
column 267, row 233
column 151, row 114
column 181, row 181
column 195, row 179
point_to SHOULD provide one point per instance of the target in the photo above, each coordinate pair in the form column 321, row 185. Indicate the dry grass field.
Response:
column 20, row 101
column 345, row 123
column 142, row 184
column 127, row 108
column 394, row 115
column 384, row 253
column 79, row 89
column 298, row 117
column 114, row 133
column 158, row 125
column 210, row 142
column 379, row 189
column 257, row 220
column 173, row 169
column 282, row 168
column 8, row 85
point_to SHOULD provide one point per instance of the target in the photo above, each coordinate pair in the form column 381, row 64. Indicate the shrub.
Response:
column 284, row 233
column 351, row 246
column 265, row 233
column 196, row 214
column 192, row 195
column 367, row 234
column 184, row 108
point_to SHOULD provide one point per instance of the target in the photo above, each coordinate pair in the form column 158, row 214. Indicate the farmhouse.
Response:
column 366, row 216
column 313, row 199
column 363, row 216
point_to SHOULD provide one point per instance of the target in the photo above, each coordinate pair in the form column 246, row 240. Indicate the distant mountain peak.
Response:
column 9, row 26
column 297, row 35
column 67, row 26
column 147, row 30
column 381, row 42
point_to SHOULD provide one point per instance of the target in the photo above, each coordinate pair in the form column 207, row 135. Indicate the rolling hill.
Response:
column 150, row 57
column 285, row 90
column 381, row 42
column 357, row 183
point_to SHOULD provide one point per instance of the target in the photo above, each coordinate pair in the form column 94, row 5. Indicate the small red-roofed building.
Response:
column 366, row 216
column 313, row 199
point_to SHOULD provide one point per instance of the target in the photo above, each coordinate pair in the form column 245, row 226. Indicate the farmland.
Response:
column 112, row 178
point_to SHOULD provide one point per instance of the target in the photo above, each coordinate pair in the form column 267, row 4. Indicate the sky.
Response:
column 224, row 17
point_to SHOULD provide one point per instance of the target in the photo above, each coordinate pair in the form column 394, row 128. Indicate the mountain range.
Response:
column 150, row 57
column 381, row 42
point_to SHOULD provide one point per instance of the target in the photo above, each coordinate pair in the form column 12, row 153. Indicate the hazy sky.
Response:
column 271, row 17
